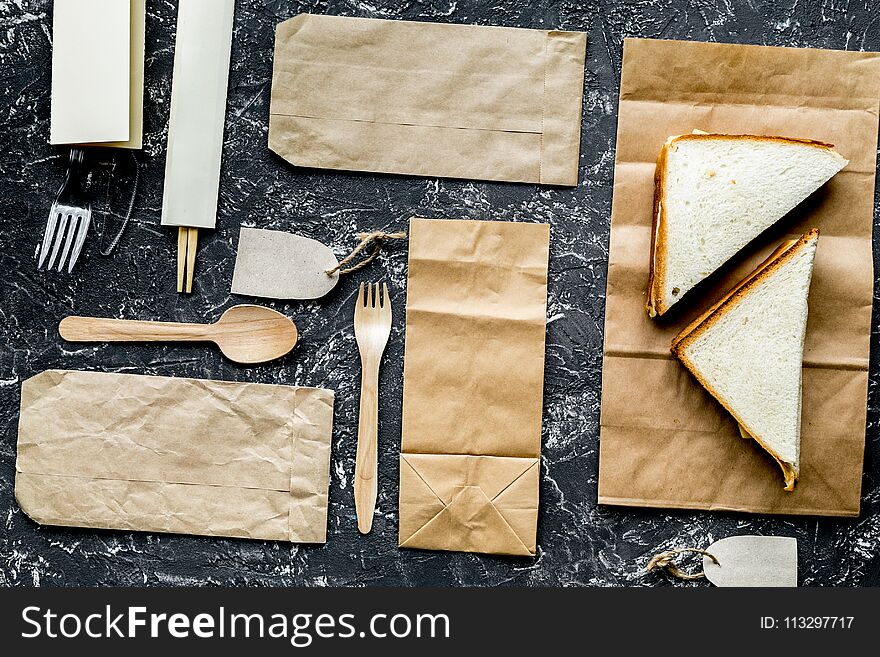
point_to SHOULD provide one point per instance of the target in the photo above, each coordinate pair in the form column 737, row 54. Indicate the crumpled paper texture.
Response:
column 428, row 99
column 664, row 442
column 473, row 385
column 163, row 454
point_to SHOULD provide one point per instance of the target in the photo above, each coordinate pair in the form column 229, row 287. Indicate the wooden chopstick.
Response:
column 192, row 244
column 187, row 244
column 181, row 256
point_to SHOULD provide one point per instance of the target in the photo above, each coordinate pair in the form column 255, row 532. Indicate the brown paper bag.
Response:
column 189, row 456
column 428, row 99
column 664, row 441
column 473, row 385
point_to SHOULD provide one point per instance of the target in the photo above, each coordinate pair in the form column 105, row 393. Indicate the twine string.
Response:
column 376, row 238
column 664, row 561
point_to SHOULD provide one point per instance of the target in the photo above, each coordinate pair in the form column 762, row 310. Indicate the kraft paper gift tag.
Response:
column 664, row 442
column 188, row 456
column 278, row 265
column 752, row 561
column 737, row 561
column 98, row 72
column 428, row 99
column 473, row 386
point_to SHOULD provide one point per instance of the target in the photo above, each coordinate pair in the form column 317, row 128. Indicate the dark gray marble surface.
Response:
column 579, row 543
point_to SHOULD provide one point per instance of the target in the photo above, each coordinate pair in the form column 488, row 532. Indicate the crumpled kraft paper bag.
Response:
column 428, row 99
column 664, row 442
column 188, row 456
column 473, row 385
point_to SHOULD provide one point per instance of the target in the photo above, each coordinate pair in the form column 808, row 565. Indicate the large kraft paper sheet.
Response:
column 664, row 442
column 473, row 385
column 428, row 99
column 188, row 456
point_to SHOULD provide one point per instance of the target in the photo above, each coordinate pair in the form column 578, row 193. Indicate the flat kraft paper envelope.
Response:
column 428, row 99
column 188, row 456
column 473, row 381
column 664, row 442
column 98, row 73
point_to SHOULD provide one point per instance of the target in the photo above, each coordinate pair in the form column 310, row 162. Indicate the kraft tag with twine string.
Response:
column 275, row 264
column 737, row 561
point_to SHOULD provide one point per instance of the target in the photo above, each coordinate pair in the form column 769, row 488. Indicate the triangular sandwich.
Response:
column 747, row 351
column 713, row 194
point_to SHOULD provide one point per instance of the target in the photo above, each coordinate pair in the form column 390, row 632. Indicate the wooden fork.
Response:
column 372, row 326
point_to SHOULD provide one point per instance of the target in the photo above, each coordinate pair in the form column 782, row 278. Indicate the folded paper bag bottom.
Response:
column 164, row 454
column 469, row 503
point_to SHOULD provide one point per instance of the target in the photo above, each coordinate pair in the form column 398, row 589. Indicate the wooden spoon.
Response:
column 245, row 333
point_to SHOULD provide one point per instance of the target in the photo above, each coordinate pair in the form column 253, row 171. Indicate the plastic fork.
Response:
column 372, row 326
column 69, row 218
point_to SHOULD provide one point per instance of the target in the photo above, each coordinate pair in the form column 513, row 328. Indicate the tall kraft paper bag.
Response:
column 664, row 442
column 470, row 459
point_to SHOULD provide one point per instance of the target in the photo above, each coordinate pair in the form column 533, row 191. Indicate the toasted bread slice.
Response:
column 747, row 351
column 713, row 194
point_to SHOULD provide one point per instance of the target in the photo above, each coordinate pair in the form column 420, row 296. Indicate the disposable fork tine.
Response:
column 51, row 224
column 59, row 238
column 69, row 238
column 81, row 232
